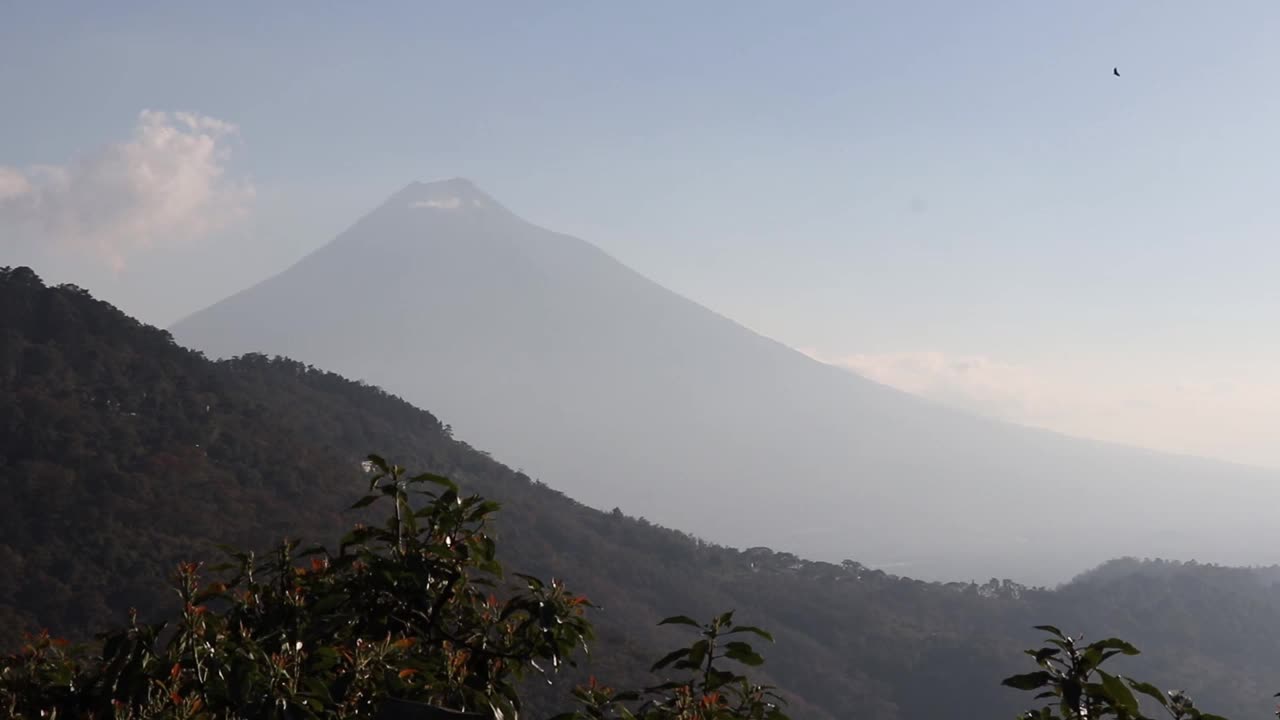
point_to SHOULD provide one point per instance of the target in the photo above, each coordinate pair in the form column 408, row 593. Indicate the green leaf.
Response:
column 431, row 478
column 1091, row 657
column 751, row 629
column 533, row 582
column 743, row 653
column 698, row 652
column 1118, row 692
column 1052, row 630
column 1043, row 653
column 1150, row 691
column 483, row 509
column 1115, row 644
column 1028, row 681
column 719, row 678
column 363, row 502
column 669, row 658
column 680, row 620
column 1109, row 654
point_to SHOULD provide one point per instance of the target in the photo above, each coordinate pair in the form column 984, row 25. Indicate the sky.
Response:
column 958, row 199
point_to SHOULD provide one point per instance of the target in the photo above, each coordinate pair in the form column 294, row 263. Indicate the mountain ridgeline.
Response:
column 544, row 350
column 122, row 452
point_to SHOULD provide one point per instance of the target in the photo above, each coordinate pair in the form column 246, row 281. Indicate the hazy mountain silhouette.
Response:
column 540, row 347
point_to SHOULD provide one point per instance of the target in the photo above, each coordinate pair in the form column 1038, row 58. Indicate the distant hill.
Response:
column 544, row 350
column 121, row 452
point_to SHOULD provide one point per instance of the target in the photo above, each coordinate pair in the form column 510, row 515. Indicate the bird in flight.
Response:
column 1115, row 71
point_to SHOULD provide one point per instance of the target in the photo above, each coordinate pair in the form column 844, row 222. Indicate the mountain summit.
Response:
column 546, row 351
column 453, row 194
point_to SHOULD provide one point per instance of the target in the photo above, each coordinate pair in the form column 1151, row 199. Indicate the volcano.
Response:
column 544, row 350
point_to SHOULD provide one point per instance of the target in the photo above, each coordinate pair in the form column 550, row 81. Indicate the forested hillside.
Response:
column 121, row 452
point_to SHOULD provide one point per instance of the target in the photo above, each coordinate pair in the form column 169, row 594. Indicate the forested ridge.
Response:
column 122, row 453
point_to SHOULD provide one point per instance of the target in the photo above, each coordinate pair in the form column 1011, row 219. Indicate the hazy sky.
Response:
column 958, row 198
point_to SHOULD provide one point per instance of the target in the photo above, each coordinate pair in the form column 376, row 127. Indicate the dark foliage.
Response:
column 410, row 614
column 122, row 454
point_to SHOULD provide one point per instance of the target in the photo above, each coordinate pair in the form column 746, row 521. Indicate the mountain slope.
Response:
column 543, row 349
column 121, row 452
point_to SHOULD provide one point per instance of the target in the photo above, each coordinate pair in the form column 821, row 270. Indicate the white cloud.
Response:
column 165, row 185
column 12, row 184
column 1232, row 418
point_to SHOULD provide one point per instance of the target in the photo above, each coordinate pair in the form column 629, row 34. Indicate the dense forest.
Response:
column 122, row 453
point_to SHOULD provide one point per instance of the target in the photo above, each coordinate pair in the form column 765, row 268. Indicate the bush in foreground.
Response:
column 1071, row 678
column 416, row 609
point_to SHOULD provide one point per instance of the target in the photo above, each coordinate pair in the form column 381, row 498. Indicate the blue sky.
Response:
column 955, row 198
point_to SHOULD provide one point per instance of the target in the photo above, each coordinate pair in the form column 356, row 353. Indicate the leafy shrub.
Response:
column 415, row 609
column 1071, row 675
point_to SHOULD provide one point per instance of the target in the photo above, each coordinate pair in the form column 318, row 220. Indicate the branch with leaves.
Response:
column 1072, row 678
column 705, row 690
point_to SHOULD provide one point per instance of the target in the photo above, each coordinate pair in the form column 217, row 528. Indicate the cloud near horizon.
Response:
column 1233, row 419
column 166, row 185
